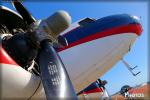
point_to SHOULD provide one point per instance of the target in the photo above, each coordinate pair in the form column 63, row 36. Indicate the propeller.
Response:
column 23, row 12
column 55, row 79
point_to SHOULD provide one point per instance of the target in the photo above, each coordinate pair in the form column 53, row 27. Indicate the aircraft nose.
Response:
column 117, row 24
column 137, row 25
column 120, row 24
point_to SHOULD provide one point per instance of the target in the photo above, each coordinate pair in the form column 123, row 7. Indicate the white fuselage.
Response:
column 85, row 63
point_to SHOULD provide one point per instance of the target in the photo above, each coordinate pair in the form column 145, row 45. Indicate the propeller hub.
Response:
column 51, row 27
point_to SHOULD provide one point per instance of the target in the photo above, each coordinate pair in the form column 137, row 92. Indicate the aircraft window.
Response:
column 86, row 21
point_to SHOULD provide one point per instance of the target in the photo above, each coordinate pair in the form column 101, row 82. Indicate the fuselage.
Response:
column 94, row 46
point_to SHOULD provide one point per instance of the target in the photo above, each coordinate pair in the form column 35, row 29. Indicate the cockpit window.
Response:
column 86, row 21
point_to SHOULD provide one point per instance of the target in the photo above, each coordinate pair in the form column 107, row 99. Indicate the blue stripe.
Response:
column 90, row 87
column 99, row 26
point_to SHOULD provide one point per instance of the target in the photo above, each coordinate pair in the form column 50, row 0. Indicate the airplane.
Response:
column 97, row 87
column 93, row 47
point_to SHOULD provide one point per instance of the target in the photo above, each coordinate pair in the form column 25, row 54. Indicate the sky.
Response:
column 118, row 75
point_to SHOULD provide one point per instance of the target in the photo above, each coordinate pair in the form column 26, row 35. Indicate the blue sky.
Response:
column 118, row 75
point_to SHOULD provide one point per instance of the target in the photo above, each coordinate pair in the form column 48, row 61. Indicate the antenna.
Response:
column 130, row 68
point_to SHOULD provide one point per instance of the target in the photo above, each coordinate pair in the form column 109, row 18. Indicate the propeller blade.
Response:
column 54, row 76
column 23, row 12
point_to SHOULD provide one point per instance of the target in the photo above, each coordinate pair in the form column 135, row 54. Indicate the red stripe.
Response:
column 134, row 28
column 93, row 91
column 5, row 58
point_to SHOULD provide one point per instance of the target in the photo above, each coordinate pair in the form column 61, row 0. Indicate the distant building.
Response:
column 141, row 91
